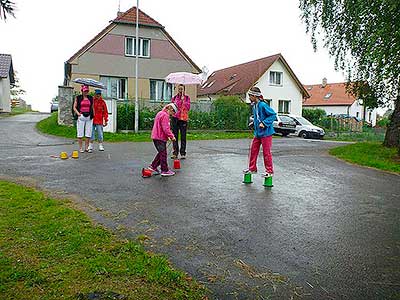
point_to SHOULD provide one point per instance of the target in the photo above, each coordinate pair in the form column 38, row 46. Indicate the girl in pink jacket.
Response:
column 160, row 134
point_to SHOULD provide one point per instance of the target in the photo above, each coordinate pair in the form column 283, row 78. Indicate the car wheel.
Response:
column 304, row 134
column 285, row 134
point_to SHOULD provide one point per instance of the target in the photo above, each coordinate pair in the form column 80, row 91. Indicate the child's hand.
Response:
column 173, row 139
column 262, row 125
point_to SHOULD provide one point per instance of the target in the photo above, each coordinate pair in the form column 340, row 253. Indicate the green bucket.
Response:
column 268, row 181
column 247, row 178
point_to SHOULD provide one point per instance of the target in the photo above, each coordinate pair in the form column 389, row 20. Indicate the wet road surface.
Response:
column 326, row 230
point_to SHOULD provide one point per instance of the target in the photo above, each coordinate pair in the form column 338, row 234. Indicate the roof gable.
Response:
column 6, row 67
column 129, row 17
column 240, row 78
column 330, row 94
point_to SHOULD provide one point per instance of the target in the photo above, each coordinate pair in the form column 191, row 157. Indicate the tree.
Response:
column 363, row 36
column 6, row 8
column 16, row 89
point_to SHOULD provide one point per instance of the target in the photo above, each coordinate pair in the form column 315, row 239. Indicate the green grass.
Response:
column 48, row 250
column 16, row 111
column 371, row 154
column 50, row 126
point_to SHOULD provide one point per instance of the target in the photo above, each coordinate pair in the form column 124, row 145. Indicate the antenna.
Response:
column 119, row 5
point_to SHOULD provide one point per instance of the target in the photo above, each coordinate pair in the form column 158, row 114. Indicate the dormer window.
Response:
column 327, row 96
column 233, row 76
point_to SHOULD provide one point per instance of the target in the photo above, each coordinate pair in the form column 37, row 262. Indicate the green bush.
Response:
column 315, row 116
column 227, row 113
column 384, row 122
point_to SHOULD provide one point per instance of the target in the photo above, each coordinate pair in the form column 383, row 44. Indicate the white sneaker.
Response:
column 101, row 147
column 90, row 148
column 265, row 174
column 248, row 171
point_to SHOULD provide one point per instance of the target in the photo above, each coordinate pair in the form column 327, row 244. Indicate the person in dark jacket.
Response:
column 83, row 108
column 264, row 116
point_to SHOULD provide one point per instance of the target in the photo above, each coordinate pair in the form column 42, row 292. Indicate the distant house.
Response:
column 6, row 82
column 110, row 58
column 333, row 98
column 277, row 81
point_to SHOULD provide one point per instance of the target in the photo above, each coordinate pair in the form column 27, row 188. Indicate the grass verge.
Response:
column 49, row 250
column 371, row 154
column 50, row 126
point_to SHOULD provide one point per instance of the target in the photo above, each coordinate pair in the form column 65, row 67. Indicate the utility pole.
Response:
column 136, row 69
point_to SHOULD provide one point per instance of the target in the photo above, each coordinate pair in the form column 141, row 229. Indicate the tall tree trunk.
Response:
column 392, row 137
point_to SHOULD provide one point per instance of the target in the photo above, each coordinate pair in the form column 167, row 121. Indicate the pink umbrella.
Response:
column 183, row 78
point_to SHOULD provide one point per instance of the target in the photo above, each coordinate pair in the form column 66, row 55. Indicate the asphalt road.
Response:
column 326, row 230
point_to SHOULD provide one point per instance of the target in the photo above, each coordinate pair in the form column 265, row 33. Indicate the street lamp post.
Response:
column 136, row 69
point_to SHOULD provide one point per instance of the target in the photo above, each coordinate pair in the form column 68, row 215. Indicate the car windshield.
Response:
column 303, row 121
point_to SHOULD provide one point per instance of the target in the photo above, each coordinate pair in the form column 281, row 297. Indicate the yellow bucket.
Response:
column 63, row 155
column 75, row 154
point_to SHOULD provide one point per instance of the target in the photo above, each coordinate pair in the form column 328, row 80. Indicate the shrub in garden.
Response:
column 314, row 115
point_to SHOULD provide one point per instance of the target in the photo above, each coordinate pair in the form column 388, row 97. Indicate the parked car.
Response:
column 54, row 106
column 284, row 125
column 306, row 129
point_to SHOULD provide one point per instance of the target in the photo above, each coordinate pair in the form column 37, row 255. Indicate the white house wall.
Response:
column 5, row 95
column 288, row 91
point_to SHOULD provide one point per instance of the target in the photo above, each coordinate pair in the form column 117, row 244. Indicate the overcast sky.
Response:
column 216, row 34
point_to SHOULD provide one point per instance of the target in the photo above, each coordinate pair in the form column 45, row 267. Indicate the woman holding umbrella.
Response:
column 83, row 108
column 180, row 121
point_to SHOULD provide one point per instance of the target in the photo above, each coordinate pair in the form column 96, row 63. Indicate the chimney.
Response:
column 119, row 13
column 324, row 82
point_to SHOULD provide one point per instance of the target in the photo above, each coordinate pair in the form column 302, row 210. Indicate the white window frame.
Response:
column 167, row 98
column 107, row 82
column 271, row 78
column 134, row 48
column 288, row 106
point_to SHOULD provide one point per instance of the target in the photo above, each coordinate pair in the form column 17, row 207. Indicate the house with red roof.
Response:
column 334, row 99
column 279, row 85
column 110, row 58
column 7, row 80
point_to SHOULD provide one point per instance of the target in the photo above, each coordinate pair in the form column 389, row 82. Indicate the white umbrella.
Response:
column 183, row 78
column 90, row 82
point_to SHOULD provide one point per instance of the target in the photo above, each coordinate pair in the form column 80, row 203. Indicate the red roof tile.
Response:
column 130, row 17
column 331, row 94
column 240, row 78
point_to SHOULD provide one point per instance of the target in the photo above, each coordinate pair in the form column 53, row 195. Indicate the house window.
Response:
column 370, row 116
column 117, row 88
column 275, row 78
column 358, row 114
column 160, row 90
column 130, row 47
column 284, row 106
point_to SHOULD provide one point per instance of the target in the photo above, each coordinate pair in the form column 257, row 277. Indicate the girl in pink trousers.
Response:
column 160, row 134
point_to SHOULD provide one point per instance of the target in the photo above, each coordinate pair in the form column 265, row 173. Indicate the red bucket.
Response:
column 177, row 164
column 146, row 173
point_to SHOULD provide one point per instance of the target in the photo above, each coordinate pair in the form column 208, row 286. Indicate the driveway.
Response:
column 326, row 230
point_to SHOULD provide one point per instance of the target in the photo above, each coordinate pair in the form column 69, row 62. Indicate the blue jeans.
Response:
column 99, row 129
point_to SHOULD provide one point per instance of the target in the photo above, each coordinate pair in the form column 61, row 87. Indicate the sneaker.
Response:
column 168, row 173
column 81, row 150
column 101, row 147
column 90, row 146
column 174, row 156
column 183, row 156
column 247, row 171
column 89, row 150
column 155, row 171
column 266, row 174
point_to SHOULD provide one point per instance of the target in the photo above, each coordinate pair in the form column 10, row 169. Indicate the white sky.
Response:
column 214, row 33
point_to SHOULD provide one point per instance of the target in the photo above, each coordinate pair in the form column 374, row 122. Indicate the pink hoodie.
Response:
column 161, row 128
column 182, row 105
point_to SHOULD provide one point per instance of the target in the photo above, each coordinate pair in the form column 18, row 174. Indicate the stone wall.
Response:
column 65, row 100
